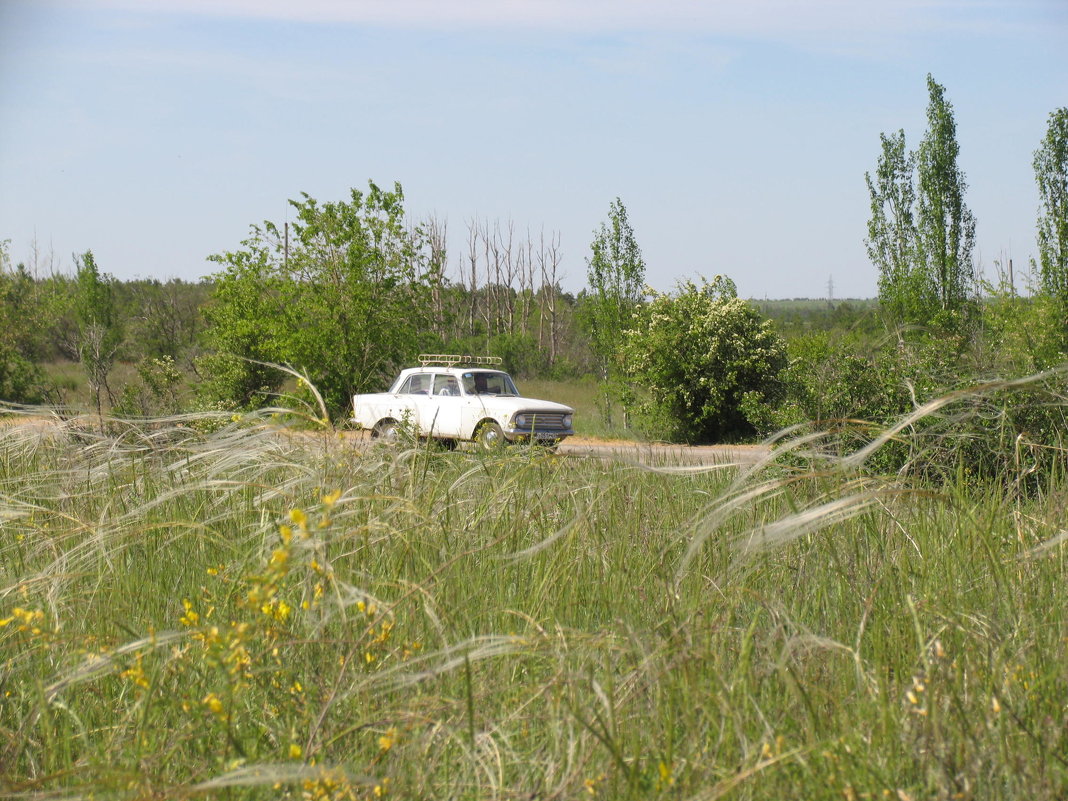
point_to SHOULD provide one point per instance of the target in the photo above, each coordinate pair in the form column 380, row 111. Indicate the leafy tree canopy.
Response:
column 346, row 302
column 1051, row 174
column 616, row 275
column 921, row 232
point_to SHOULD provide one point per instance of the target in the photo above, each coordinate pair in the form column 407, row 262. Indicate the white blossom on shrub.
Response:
column 703, row 363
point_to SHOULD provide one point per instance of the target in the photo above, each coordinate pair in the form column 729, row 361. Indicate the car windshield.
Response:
column 485, row 382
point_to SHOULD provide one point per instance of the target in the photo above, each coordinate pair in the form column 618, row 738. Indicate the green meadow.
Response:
column 221, row 608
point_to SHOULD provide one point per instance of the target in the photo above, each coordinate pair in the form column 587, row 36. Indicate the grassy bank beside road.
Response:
column 245, row 615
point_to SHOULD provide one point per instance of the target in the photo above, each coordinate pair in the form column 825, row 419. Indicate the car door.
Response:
column 411, row 399
column 442, row 415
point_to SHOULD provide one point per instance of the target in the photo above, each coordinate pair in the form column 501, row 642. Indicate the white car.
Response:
column 454, row 398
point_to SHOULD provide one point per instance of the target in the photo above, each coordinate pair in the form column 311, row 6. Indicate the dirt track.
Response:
column 653, row 454
column 662, row 454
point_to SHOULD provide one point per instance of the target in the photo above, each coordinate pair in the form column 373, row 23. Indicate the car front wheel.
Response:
column 490, row 436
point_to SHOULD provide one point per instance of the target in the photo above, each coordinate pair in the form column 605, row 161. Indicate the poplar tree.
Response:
column 921, row 232
column 945, row 225
column 616, row 275
column 1051, row 174
column 891, row 241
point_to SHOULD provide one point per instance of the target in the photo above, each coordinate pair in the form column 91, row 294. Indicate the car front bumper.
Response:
column 538, row 435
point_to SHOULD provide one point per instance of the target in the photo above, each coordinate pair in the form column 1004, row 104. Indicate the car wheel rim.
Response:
column 491, row 437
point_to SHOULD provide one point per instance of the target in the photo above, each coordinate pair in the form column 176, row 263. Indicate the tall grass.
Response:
column 586, row 396
column 250, row 613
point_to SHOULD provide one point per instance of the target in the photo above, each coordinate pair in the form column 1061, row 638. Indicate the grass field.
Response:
column 254, row 614
column 584, row 395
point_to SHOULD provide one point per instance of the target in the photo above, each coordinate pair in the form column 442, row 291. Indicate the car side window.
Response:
column 446, row 385
column 417, row 384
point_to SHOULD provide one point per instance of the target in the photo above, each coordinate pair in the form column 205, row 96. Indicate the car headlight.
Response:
column 567, row 421
column 521, row 420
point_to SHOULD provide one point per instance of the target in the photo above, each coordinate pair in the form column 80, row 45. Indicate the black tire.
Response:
column 490, row 436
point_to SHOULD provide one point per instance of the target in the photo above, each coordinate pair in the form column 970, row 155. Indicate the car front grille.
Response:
column 545, row 421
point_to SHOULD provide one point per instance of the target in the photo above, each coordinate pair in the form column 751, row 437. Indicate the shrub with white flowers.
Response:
column 704, row 364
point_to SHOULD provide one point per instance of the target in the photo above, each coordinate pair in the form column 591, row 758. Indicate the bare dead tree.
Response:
column 549, row 263
column 473, row 235
column 524, row 268
column 97, row 355
column 493, row 280
column 509, row 269
column 437, row 237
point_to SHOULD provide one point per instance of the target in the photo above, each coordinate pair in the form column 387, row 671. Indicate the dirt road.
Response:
column 651, row 454
column 655, row 454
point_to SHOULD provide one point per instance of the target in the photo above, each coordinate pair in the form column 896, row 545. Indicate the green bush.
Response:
column 20, row 379
column 706, row 364
column 155, row 393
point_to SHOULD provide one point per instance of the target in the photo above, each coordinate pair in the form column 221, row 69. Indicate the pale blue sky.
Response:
column 736, row 132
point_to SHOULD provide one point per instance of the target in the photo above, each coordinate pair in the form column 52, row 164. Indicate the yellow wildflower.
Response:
column 666, row 779
column 281, row 610
column 27, row 620
column 214, row 703
column 386, row 741
column 191, row 617
column 136, row 674
column 279, row 558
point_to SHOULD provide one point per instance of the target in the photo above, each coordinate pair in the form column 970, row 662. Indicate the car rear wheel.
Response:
column 490, row 436
column 388, row 431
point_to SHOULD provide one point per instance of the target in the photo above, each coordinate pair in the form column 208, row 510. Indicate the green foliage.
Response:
column 348, row 305
column 250, row 615
column 829, row 383
column 1051, row 174
column 165, row 318
column 923, row 251
column 945, row 225
column 155, row 393
column 1019, row 335
column 99, row 328
column 891, row 241
column 615, row 271
column 705, row 362
column 20, row 377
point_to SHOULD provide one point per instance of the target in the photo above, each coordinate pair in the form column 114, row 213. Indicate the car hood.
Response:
column 503, row 404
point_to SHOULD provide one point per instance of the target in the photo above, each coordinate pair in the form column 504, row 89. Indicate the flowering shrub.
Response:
column 704, row 362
